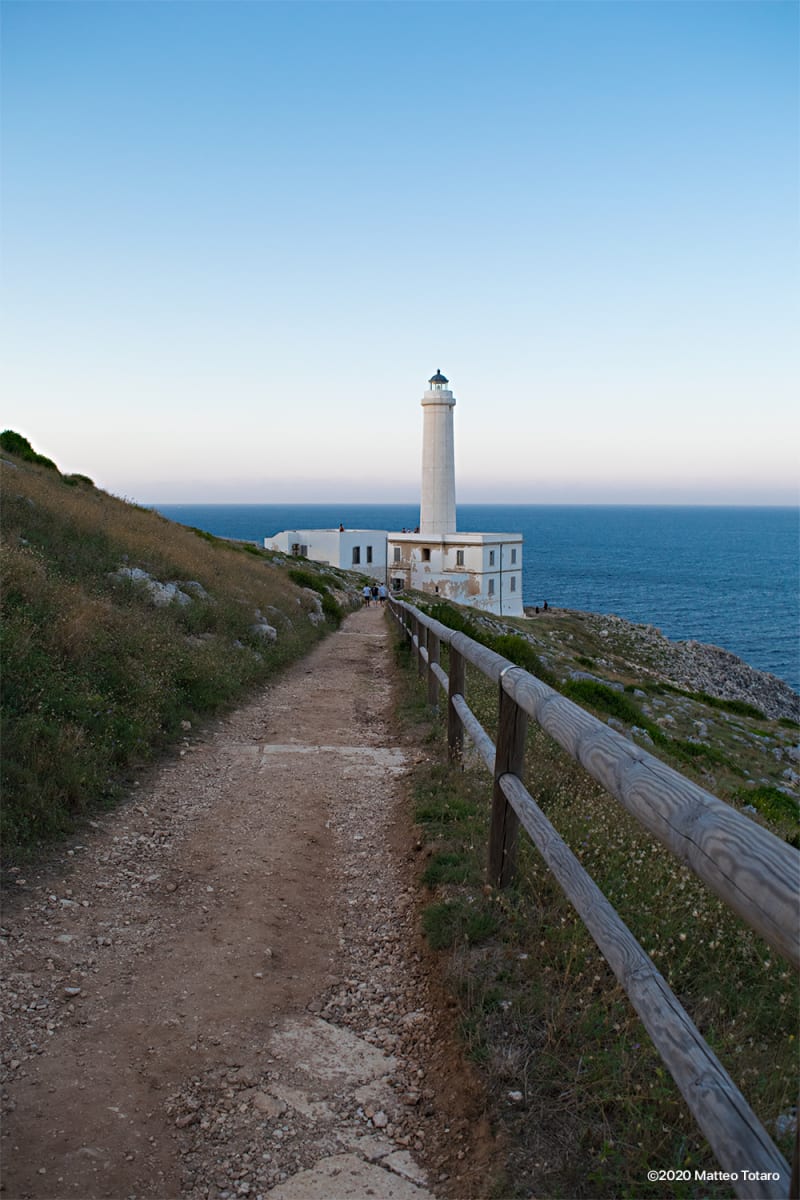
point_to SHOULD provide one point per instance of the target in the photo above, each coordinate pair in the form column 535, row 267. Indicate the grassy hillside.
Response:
column 103, row 666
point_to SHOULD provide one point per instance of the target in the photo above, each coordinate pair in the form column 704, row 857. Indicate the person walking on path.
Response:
column 366, row 593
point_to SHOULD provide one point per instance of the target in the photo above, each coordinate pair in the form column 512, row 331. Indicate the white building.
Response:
column 483, row 570
column 361, row 550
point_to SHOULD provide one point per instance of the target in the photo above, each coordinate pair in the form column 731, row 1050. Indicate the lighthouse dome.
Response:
column 438, row 378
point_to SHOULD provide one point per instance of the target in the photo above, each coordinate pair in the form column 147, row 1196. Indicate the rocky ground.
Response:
column 644, row 652
column 699, row 667
column 219, row 990
column 750, row 752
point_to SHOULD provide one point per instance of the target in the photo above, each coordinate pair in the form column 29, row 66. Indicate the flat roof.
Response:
column 333, row 529
column 455, row 537
column 409, row 536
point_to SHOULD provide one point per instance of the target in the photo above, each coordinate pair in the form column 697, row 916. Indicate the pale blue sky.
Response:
column 239, row 237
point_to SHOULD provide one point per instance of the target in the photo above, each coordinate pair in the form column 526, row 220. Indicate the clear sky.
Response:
column 239, row 237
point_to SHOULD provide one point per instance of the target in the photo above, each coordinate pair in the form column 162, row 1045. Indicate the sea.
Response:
column 725, row 576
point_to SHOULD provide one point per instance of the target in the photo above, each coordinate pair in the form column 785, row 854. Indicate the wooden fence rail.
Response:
column 751, row 870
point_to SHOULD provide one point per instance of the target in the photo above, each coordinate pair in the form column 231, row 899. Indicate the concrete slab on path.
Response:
column 328, row 1052
column 346, row 1177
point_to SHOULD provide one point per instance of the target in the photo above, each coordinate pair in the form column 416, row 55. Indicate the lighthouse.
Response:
column 482, row 570
column 438, row 500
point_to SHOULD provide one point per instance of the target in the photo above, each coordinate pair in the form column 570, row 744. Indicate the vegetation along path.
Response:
column 220, row 991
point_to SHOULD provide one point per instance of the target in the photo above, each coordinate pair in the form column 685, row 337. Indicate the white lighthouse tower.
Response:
column 438, row 501
column 483, row 570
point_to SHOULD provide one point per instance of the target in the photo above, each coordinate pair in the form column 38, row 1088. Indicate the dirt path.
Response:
column 221, row 993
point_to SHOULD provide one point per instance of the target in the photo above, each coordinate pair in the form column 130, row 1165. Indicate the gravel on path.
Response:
column 219, row 989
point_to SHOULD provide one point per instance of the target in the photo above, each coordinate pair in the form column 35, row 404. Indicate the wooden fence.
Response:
column 752, row 871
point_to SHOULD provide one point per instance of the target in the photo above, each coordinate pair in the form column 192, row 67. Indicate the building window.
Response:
column 397, row 585
column 513, row 554
column 397, row 554
column 356, row 555
column 369, row 554
column 513, row 583
column 491, row 558
column 426, row 554
column 459, row 558
column 491, row 587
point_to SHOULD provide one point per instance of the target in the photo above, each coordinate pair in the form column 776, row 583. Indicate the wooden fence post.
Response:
column 512, row 726
column 697, row 828
column 455, row 730
column 433, row 657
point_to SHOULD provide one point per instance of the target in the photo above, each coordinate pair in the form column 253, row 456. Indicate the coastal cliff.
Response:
column 690, row 665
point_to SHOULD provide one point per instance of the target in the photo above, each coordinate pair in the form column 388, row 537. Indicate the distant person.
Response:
column 366, row 593
column 382, row 593
column 341, row 527
column 536, row 610
column 545, row 606
column 375, row 592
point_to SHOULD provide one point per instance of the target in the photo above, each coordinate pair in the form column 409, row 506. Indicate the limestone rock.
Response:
column 262, row 629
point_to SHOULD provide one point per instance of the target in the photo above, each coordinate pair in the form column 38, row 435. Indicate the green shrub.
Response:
column 687, row 751
column 206, row 536
column 16, row 444
column 442, row 809
column 607, row 700
column 455, row 618
column 306, row 579
column 771, row 802
column 440, row 800
column 518, row 650
column 512, row 646
column 450, row 867
column 332, row 609
column 456, row 921
column 739, row 707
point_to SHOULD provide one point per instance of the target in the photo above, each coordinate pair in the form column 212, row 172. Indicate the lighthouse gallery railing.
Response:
column 751, row 870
